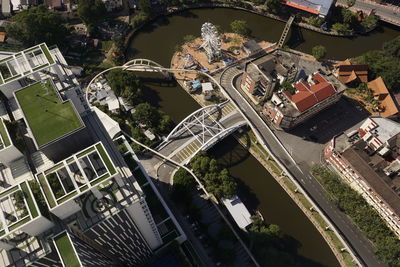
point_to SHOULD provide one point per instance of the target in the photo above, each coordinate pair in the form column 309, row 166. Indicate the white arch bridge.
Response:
column 198, row 131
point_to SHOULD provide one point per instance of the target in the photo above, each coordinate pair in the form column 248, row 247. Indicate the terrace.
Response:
column 76, row 175
column 5, row 139
column 48, row 116
column 17, row 208
column 25, row 62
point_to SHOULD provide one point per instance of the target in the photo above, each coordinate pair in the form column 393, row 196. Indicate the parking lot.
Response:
column 306, row 141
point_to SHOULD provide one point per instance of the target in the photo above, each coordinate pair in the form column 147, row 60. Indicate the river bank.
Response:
column 335, row 242
column 157, row 41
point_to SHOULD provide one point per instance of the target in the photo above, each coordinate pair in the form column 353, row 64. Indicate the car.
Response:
column 312, row 129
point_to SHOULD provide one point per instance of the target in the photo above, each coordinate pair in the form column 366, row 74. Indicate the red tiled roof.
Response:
column 318, row 78
column 308, row 95
column 323, row 90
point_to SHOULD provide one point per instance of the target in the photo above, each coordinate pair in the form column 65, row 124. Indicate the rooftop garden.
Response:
column 25, row 62
column 48, row 117
column 75, row 175
column 18, row 207
column 66, row 250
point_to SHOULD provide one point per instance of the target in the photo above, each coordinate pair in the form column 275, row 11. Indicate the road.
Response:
column 388, row 13
column 301, row 172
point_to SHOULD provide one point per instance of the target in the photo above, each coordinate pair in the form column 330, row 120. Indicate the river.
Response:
column 157, row 41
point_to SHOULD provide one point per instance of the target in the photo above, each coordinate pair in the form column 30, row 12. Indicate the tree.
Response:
column 340, row 27
column 165, row 124
column 392, row 48
column 240, row 27
column 126, row 84
column 145, row 6
column 182, row 186
column 91, row 12
column 348, row 16
column 319, row 52
column 36, row 25
column 274, row 6
column 369, row 21
column 147, row 115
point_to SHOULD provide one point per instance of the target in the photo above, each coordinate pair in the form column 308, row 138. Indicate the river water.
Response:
column 157, row 41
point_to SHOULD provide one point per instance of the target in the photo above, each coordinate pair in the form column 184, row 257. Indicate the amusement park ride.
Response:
column 211, row 42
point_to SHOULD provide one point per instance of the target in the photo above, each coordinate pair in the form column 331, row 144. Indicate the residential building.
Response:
column 307, row 98
column 386, row 107
column 316, row 7
column 262, row 76
column 367, row 158
column 72, row 198
column 352, row 74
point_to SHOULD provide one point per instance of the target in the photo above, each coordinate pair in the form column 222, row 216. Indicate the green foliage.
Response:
column 288, row 87
column 341, row 27
column 384, row 63
column 118, row 56
column 351, row 3
column 392, row 47
column 363, row 215
column 91, row 12
column 39, row 197
column 315, row 21
column 274, row 6
column 36, row 25
column 187, row 39
column 369, row 21
column 147, row 115
column 240, row 27
column 269, row 244
column 348, row 17
column 217, row 181
column 183, row 185
column 126, row 84
column 145, row 6
column 139, row 19
column 319, row 51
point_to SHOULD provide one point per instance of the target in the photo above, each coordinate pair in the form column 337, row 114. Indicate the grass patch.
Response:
column 66, row 251
column 47, row 53
column 47, row 191
column 48, row 117
column 29, row 200
column 18, row 224
column 106, row 159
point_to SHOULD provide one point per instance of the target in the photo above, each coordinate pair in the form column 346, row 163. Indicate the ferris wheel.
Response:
column 211, row 41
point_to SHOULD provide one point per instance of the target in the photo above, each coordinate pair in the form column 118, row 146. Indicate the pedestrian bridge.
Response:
column 198, row 131
column 201, row 130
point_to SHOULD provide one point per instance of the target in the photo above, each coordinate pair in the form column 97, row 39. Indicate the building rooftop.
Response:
column 308, row 95
column 384, row 98
column 318, row 7
column 48, row 116
column 25, row 62
column 375, row 178
column 17, row 208
column 76, row 175
column 349, row 72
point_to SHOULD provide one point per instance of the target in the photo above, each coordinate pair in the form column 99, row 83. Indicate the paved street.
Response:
column 300, row 171
column 388, row 13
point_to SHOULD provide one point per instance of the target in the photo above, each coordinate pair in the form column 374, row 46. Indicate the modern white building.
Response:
column 68, row 196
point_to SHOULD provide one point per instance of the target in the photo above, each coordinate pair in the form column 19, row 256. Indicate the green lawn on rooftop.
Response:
column 47, row 116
